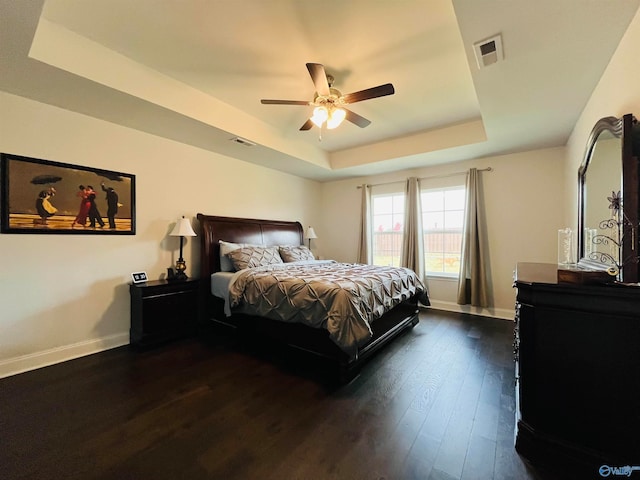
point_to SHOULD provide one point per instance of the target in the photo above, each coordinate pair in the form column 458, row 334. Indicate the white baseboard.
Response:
column 32, row 361
column 502, row 313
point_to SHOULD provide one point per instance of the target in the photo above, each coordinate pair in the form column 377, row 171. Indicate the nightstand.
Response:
column 162, row 311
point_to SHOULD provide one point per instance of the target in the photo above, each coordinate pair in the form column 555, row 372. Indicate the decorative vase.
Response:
column 565, row 246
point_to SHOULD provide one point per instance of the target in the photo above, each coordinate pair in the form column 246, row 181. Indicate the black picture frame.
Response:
column 44, row 196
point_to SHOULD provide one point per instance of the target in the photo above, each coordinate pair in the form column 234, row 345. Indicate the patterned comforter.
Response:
column 343, row 298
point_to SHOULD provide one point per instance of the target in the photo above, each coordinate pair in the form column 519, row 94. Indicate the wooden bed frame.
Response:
column 312, row 340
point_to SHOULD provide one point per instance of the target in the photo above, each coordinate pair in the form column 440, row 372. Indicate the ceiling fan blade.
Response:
column 284, row 102
column 374, row 92
column 319, row 77
column 307, row 125
column 356, row 119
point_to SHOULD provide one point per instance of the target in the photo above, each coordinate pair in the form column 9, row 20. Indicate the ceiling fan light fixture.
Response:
column 336, row 116
column 328, row 101
column 320, row 115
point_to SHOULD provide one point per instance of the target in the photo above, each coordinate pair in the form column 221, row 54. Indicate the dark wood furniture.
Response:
column 163, row 311
column 577, row 352
column 314, row 341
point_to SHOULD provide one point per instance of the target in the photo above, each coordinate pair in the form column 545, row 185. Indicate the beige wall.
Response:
column 523, row 211
column 67, row 295
column 617, row 94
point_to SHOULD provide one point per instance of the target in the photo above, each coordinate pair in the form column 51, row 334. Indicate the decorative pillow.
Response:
column 249, row 257
column 295, row 253
column 225, row 247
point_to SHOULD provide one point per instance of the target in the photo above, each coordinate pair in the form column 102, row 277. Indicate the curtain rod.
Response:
column 488, row 169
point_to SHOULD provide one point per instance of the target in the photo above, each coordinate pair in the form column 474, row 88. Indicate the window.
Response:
column 442, row 222
column 388, row 224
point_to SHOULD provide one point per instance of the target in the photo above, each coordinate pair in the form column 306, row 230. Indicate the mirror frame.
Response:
column 621, row 128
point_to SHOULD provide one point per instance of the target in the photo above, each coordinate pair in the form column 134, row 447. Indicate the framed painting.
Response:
column 42, row 196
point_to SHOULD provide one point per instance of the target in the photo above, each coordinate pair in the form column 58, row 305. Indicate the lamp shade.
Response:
column 320, row 115
column 336, row 117
column 311, row 233
column 183, row 229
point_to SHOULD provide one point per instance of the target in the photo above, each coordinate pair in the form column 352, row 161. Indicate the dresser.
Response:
column 577, row 353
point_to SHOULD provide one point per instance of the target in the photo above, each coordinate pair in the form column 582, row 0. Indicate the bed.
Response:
column 348, row 359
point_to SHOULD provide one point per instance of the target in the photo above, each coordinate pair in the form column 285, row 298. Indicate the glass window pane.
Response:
column 453, row 219
column 452, row 242
column 398, row 203
column 382, row 222
column 454, row 199
column 443, row 219
column 433, row 242
column 388, row 220
column 398, row 222
column 432, row 201
column 451, row 263
column 382, row 205
column 433, row 221
column 434, row 262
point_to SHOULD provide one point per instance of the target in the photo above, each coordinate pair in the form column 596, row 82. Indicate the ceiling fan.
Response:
column 329, row 102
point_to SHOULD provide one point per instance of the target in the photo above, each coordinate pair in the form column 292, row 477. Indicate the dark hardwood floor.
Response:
column 437, row 403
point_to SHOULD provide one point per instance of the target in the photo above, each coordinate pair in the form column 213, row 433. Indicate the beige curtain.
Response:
column 472, row 283
column 412, row 239
column 365, row 250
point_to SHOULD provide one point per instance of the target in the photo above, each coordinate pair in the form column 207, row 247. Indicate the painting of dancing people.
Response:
column 44, row 196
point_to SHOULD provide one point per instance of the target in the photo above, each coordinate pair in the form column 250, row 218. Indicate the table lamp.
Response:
column 182, row 229
column 311, row 233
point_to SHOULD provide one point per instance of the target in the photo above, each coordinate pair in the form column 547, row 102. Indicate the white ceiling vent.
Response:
column 243, row 141
column 488, row 51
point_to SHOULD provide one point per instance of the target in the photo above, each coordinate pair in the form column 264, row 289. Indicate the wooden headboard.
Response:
column 241, row 230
